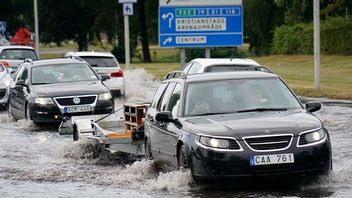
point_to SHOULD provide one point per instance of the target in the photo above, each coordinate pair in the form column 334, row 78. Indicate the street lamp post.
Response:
column 36, row 26
column 317, row 44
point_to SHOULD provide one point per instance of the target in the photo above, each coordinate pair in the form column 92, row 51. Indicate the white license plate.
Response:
column 257, row 160
column 77, row 109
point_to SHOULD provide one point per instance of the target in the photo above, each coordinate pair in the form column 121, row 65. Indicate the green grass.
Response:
column 296, row 70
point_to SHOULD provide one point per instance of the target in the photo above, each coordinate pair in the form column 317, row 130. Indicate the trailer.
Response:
column 114, row 133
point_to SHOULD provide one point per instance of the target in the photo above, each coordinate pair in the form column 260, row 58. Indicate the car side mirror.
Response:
column 21, row 83
column 104, row 77
column 166, row 116
column 313, row 106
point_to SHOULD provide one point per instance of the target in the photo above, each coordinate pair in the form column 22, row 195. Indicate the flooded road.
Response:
column 38, row 162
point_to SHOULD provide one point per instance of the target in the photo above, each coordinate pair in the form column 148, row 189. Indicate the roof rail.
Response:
column 28, row 60
column 176, row 74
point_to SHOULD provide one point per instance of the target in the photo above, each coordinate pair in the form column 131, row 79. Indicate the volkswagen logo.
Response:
column 76, row 100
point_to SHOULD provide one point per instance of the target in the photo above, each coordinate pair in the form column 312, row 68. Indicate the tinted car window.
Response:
column 225, row 68
column 158, row 94
column 165, row 99
column 51, row 74
column 96, row 61
column 24, row 75
column 174, row 102
column 195, row 68
column 18, row 54
column 230, row 96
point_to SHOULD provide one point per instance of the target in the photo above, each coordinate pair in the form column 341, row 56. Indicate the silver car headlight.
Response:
column 43, row 101
column 214, row 142
column 312, row 138
column 105, row 96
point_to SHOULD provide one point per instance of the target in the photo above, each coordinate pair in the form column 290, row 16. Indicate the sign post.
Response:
column 317, row 44
column 200, row 23
column 127, row 11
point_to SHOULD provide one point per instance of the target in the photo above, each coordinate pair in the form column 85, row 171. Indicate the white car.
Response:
column 201, row 65
column 5, row 81
column 13, row 55
column 104, row 63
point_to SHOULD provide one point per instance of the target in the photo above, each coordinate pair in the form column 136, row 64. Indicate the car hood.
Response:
column 252, row 124
column 69, row 89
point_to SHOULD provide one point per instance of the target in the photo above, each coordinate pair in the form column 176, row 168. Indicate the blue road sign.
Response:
column 2, row 26
column 200, row 26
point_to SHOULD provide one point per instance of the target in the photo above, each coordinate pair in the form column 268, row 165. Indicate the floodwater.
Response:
column 38, row 162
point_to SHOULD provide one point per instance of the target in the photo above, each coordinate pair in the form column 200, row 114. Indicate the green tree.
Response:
column 260, row 19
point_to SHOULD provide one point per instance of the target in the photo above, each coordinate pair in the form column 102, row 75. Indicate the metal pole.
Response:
column 207, row 52
column 182, row 57
column 317, row 44
column 127, row 42
column 36, row 26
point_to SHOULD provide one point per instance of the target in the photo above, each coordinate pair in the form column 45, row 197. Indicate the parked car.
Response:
column 47, row 90
column 202, row 65
column 243, row 123
column 104, row 63
column 5, row 81
column 12, row 56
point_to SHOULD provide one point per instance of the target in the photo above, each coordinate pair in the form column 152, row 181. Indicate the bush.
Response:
column 335, row 34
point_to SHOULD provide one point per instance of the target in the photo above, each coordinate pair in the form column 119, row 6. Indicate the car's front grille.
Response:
column 264, row 143
column 2, row 93
column 83, row 100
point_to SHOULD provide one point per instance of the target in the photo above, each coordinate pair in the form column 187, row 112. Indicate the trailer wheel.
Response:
column 75, row 133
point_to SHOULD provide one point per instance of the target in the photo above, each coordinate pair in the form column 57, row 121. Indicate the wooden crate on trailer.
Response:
column 134, row 115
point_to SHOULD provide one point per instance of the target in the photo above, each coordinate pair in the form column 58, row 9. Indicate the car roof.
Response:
column 98, row 54
column 213, row 76
column 55, row 61
column 15, row 47
column 224, row 61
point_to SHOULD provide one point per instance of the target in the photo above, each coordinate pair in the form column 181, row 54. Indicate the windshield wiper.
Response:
column 262, row 109
column 40, row 83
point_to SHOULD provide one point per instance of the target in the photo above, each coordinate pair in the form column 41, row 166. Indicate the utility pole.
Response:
column 36, row 26
column 317, row 44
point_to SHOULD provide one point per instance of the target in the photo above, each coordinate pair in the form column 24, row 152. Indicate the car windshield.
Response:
column 18, row 54
column 97, row 61
column 236, row 96
column 52, row 74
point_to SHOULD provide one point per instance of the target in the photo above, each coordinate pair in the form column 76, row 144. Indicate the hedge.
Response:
column 335, row 34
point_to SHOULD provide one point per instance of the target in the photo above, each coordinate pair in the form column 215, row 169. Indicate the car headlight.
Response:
column 312, row 137
column 214, row 142
column 7, row 83
column 104, row 96
column 44, row 101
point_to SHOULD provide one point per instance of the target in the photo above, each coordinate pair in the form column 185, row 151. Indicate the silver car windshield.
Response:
column 18, row 54
column 97, row 61
column 52, row 74
column 235, row 96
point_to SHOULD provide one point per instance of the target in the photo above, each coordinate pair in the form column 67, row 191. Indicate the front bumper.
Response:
column 214, row 164
column 51, row 113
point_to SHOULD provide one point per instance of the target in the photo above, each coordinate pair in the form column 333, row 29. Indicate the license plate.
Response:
column 77, row 109
column 257, row 160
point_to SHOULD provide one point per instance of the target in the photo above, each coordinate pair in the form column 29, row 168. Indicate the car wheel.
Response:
column 182, row 158
column 28, row 116
column 75, row 133
column 9, row 110
column 148, row 150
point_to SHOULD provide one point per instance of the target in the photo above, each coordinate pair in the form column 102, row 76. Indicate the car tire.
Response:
column 182, row 159
column 75, row 133
column 27, row 114
column 148, row 150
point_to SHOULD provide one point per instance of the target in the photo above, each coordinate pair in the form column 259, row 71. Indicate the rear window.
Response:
column 18, row 54
column 96, row 61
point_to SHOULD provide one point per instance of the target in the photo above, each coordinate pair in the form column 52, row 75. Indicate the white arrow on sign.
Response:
column 168, row 40
column 169, row 14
